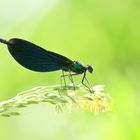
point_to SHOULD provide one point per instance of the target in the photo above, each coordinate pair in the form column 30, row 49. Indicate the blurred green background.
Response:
column 104, row 33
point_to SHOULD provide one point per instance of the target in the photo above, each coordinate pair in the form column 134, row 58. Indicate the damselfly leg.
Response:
column 84, row 78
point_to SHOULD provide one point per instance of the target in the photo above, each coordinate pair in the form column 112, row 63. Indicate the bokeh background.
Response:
column 104, row 33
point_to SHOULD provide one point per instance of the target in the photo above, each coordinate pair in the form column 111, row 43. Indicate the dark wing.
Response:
column 36, row 58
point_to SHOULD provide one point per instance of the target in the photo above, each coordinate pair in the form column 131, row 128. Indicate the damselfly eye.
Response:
column 90, row 68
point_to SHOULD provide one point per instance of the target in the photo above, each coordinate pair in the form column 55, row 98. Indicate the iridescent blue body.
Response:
column 35, row 58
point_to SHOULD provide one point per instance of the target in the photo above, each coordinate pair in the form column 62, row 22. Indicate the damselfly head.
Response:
column 90, row 68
